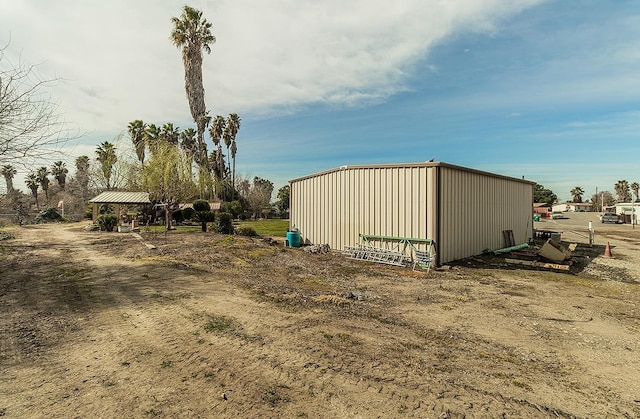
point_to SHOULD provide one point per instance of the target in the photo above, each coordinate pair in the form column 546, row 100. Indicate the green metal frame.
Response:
column 405, row 242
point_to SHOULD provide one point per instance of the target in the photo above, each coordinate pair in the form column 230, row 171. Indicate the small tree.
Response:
column 601, row 200
column 167, row 177
column 225, row 223
column 259, row 195
column 283, row 199
column 203, row 213
column 541, row 194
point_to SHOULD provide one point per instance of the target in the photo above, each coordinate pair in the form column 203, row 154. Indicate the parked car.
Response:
column 609, row 217
column 557, row 215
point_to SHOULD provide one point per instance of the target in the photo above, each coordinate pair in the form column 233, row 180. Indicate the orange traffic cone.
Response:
column 607, row 251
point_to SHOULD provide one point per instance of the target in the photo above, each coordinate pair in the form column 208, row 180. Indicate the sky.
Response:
column 545, row 90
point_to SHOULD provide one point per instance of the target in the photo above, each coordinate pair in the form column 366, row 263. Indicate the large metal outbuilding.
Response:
column 464, row 211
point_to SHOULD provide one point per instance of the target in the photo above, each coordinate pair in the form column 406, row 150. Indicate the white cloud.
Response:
column 118, row 64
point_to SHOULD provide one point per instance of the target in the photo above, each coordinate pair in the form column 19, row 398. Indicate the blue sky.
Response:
column 548, row 90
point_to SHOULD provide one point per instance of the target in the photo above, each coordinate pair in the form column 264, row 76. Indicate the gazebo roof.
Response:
column 113, row 197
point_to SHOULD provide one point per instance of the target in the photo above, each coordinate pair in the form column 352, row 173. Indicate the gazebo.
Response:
column 118, row 198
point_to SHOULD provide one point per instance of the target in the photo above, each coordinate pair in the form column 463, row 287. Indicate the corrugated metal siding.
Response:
column 335, row 207
column 117, row 197
column 474, row 210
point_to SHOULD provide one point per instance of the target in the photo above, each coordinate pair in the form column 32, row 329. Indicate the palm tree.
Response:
column 59, row 171
column 192, row 33
column 8, row 171
column 82, row 173
column 33, row 184
column 622, row 191
column 152, row 135
column 170, row 133
column 635, row 187
column 106, row 156
column 577, row 193
column 188, row 142
column 43, row 177
column 233, row 126
column 216, row 131
column 137, row 134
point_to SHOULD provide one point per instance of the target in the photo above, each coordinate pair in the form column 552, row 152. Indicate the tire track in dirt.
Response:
column 136, row 344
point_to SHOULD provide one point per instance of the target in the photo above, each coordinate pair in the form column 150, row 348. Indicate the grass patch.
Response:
column 219, row 324
column 274, row 395
column 276, row 227
column 162, row 228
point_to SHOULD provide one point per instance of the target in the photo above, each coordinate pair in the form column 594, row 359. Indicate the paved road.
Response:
column 580, row 221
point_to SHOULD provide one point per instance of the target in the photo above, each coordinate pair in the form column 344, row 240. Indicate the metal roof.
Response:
column 113, row 197
column 406, row 165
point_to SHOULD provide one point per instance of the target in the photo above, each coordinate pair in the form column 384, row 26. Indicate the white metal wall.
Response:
column 463, row 210
column 334, row 207
column 476, row 207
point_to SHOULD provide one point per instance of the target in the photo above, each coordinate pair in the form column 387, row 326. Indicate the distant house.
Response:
column 542, row 208
column 573, row 207
column 628, row 212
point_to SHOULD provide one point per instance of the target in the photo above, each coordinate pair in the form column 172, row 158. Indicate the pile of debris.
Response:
column 554, row 256
column 551, row 255
column 318, row 249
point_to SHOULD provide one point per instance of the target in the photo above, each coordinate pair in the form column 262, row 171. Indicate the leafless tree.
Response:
column 31, row 124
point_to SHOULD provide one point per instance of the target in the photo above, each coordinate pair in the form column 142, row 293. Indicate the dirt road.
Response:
column 98, row 325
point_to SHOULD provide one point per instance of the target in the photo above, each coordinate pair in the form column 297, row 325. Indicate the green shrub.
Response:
column 178, row 216
column 225, row 223
column 49, row 215
column 189, row 213
column 107, row 222
column 200, row 205
column 202, row 212
column 246, row 231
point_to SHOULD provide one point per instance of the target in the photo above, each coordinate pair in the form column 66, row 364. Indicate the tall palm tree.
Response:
column 170, row 133
column 8, row 171
column 577, row 193
column 136, row 132
column 33, row 184
column 216, row 132
column 59, row 171
column 43, row 177
column 233, row 126
column 82, row 175
column 635, row 187
column 192, row 33
column 622, row 191
column 106, row 156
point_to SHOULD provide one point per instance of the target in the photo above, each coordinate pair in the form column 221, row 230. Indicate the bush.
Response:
column 49, row 215
column 200, row 205
column 107, row 222
column 225, row 223
column 246, row 231
column 178, row 216
column 189, row 213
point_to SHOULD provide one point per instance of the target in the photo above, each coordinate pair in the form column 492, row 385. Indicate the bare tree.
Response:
column 31, row 125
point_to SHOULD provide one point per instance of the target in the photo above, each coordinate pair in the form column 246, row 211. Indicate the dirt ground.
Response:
column 206, row 326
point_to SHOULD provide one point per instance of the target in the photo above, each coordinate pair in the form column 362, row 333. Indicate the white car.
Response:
column 557, row 215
